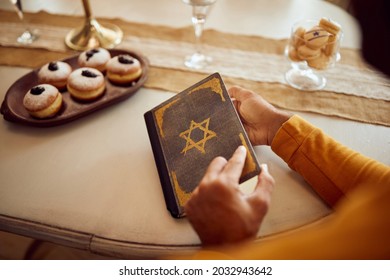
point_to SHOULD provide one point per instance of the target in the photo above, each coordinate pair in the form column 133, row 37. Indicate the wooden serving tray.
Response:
column 13, row 110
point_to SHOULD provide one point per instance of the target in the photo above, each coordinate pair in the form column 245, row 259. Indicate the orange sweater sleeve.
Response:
column 330, row 168
column 357, row 187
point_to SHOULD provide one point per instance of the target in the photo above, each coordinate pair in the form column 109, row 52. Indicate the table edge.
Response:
column 91, row 242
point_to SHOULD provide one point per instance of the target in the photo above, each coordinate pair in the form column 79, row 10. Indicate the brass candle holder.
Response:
column 93, row 34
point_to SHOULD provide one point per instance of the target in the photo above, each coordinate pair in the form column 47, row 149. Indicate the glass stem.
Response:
column 27, row 37
column 198, row 27
column 199, row 14
column 18, row 8
column 19, row 12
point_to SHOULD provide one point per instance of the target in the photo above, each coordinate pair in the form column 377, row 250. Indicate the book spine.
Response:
column 162, row 169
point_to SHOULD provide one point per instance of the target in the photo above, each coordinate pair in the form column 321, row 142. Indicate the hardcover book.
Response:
column 188, row 131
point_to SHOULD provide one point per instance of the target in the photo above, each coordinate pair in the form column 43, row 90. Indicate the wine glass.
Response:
column 313, row 47
column 28, row 36
column 92, row 34
column 200, row 10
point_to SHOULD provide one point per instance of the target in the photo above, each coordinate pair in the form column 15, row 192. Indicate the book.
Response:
column 188, row 131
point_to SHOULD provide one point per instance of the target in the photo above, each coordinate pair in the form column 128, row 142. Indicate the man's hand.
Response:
column 260, row 119
column 219, row 212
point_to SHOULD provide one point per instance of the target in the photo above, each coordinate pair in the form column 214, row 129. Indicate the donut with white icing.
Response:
column 55, row 73
column 86, row 84
column 123, row 69
column 43, row 101
column 95, row 58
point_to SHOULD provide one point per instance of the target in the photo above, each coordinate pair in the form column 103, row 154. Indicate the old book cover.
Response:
column 188, row 131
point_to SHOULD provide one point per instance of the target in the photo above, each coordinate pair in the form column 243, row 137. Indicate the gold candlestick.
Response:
column 93, row 34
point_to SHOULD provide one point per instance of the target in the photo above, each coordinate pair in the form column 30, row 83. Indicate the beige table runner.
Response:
column 354, row 91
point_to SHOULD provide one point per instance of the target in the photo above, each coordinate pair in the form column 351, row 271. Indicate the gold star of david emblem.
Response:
column 207, row 134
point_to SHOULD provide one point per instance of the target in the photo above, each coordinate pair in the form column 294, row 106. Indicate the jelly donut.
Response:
column 123, row 69
column 43, row 101
column 86, row 84
column 55, row 73
column 94, row 58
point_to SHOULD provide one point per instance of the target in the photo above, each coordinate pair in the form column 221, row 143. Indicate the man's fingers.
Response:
column 239, row 93
column 265, row 182
column 234, row 166
column 261, row 197
column 233, row 91
column 214, row 169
